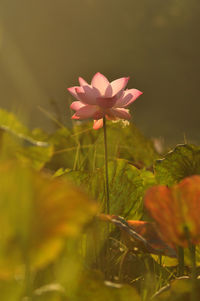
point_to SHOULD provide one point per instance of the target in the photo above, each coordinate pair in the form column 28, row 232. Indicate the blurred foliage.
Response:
column 18, row 142
column 83, row 149
column 180, row 290
column 52, row 245
column 37, row 214
column 179, row 163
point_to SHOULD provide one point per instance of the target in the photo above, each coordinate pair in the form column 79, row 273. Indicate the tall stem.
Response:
column 180, row 261
column 192, row 250
column 106, row 167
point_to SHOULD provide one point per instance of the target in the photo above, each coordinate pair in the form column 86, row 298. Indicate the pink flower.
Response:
column 102, row 98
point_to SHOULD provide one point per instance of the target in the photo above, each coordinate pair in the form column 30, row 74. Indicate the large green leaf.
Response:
column 131, row 144
column 127, row 185
column 179, row 163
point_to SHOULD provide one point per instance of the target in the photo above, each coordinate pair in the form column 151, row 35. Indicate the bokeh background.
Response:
column 46, row 45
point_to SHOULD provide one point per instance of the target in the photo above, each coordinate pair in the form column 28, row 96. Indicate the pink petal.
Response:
column 127, row 98
column 119, row 113
column 87, row 94
column 73, row 92
column 75, row 117
column 106, row 103
column 119, row 84
column 82, row 82
column 98, row 124
column 76, row 105
column 88, row 112
column 100, row 82
column 108, row 92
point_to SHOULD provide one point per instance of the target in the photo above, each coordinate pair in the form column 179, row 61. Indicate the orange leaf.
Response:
column 176, row 211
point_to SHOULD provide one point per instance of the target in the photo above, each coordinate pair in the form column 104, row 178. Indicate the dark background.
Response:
column 46, row 44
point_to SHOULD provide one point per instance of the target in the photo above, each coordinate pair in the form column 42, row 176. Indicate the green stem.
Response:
column 180, row 261
column 160, row 260
column 192, row 250
column 106, row 167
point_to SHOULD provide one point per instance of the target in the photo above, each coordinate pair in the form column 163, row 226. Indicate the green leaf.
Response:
column 66, row 150
column 179, row 163
column 18, row 141
column 37, row 215
column 11, row 290
column 131, row 144
column 8, row 121
column 127, row 185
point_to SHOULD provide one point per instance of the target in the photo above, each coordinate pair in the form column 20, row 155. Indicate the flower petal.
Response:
column 98, row 124
column 88, row 112
column 119, row 113
column 87, row 94
column 73, row 92
column 75, row 117
column 127, row 98
column 106, row 103
column 76, row 105
column 82, row 82
column 100, row 82
column 119, row 84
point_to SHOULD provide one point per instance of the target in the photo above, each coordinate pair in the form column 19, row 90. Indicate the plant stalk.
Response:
column 192, row 250
column 106, row 167
column 180, row 261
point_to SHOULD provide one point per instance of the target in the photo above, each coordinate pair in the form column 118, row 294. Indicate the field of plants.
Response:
column 58, row 239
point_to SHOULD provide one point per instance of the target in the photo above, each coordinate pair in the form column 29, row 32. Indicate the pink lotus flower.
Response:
column 102, row 98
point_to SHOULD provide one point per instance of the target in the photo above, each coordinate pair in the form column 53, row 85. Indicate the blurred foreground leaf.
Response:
column 92, row 287
column 37, row 213
column 179, row 163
